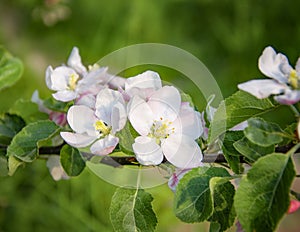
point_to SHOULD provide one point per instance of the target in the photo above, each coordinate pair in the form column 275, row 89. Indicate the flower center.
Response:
column 293, row 79
column 73, row 78
column 102, row 127
column 161, row 129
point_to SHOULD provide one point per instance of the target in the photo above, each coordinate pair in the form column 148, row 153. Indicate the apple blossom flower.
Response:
column 143, row 84
column 75, row 80
column 167, row 128
column 97, row 127
column 284, row 82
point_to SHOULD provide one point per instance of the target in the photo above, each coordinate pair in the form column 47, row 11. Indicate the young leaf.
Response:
column 263, row 133
column 263, row 195
column 131, row 210
column 71, row 160
column 231, row 155
column 24, row 145
column 11, row 69
column 252, row 151
column 13, row 164
column 193, row 201
column 236, row 109
column 223, row 192
column 10, row 125
column 28, row 110
column 126, row 138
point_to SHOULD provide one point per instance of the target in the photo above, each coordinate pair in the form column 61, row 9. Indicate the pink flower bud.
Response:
column 294, row 206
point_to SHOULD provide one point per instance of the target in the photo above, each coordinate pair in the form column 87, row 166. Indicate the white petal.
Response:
column 81, row 119
column 297, row 67
column 239, row 127
column 182, row 151
column 274, row 65
column 49, row 72
column 104, row 146
column 105, row 101
column 77, row 140
column 60, row 78
column 118, row 117
column 165, row 103
column 74, row 61
column 88, row 100
column 140, row 115
column 262, row 88
column 188, row 122
column 176, row 177
column 147, row 151
column 148, row 79
column 290, row 97
column 210, row 111
column 36, row 99
column 56, row 170
column 65, row 95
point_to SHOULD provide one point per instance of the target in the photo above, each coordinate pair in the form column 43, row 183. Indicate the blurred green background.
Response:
column 228, row 36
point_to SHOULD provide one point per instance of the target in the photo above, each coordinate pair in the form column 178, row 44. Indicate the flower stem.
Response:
column 295, row 110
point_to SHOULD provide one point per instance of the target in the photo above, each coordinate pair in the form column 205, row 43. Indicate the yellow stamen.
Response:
column 293, row 79
column 102, row 127
column 73, row 81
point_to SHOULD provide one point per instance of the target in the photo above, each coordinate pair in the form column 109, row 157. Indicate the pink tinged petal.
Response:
column 290, row 97
column 65, row 95
column 82, row 119
column 59, row 118
column 56, row 170
column 140, row 115
column 182, row 151
column 165, row 103
column 118, row 117
column 104, row 146
column 262, row 88
column 274, row 65
column 116, row 82
column 148, row 79
column 147, row 151
column 88, row 100
column 93, row 78
column 239, row 127
column 60, row 78
column 105, row 101
column 175, row 178
column 188, row 122
column 77, row 140
column 294, row 206
column 74, row 61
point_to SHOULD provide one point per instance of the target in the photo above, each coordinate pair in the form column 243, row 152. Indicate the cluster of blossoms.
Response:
column 284, row 82
column 167, row 128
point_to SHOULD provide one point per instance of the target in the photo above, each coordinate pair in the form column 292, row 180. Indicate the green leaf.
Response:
column 223, row 192
column 252, row 151
column 11, row 69
column 126, row 138
column 55, row 105
column 231, row 155
column 131, row 210
column 263, row 133
column 10, row 125
column 25, row 145
column 13, row 164
column 263, row 195
column 71, row 160
column 187, row 98
column 3, row 164
column 193, row 200
column 236, row 109
column 28, row 110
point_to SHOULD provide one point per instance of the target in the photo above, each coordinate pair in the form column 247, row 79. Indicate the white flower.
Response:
column 75, row 81
column 97, row 127
column 167, row 128
column 284, row 82
column 143, row 85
